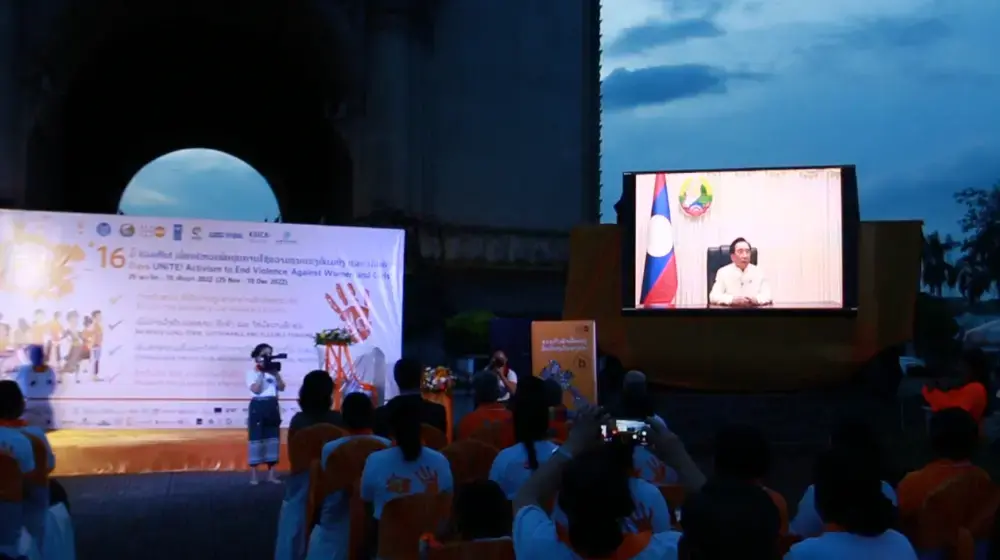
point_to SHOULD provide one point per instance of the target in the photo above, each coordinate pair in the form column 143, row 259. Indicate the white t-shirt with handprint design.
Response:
column 388, row 476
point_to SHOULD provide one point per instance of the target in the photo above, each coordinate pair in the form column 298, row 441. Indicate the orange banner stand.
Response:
column 340, row 366
column 757, row 353
column 573, row 345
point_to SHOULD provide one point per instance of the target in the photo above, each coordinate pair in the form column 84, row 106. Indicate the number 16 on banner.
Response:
column 111, row 257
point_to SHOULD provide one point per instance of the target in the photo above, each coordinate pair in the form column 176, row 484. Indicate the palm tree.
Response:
column 937, row 271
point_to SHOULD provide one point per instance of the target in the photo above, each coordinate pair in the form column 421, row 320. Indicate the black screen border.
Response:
column 850, row 230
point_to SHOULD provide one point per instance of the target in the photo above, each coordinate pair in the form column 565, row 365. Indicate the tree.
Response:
column 980, row 263
column 936, row 270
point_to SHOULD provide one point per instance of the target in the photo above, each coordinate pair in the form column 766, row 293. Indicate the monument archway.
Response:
column 259, row 83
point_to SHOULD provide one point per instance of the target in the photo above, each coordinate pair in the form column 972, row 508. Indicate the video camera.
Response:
column 270, row 363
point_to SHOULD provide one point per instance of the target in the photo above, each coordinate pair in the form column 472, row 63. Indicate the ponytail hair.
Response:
column 405, row 426
column 849, row 494
column 531, row 417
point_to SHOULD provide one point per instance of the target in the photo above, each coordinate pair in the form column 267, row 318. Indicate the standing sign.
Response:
column 567, row 352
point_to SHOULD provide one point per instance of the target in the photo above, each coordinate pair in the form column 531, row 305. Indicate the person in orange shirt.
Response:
column 489, row 413
column 970, row 394
column 96, row 341
column 55, row 332
column 954, row 438
column 742, row 453
column 38, row 330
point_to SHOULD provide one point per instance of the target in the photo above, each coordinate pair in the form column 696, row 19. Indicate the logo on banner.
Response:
column 159, row 232
column 104, row 229
column 286, row 239
column 196, row 233
column 259, row 236
column 178, row 232
column 225, row 235
column 127, row 230
column 695, row 197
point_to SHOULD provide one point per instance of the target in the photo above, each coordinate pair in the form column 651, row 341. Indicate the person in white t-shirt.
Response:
column 593, row 492
column 408, row 468
column 740, row 283
column 15, row 541
column 514, row 465
column 858, row 517
column 264, row 414
column 506, row 377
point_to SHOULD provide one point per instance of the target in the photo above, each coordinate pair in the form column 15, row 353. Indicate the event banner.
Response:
column 567, row 352
column 150, row 322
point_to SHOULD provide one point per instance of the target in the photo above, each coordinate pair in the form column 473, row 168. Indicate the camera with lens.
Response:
column 271, row 363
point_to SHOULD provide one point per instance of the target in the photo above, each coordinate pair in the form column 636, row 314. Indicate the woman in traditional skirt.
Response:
column 264, row 421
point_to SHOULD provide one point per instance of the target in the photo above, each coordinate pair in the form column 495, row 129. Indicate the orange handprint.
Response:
column 430, row 479
column 657, row 469
column 353, row 307
column 642, row 518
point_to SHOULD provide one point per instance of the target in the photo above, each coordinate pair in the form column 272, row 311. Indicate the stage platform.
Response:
column 88, row 452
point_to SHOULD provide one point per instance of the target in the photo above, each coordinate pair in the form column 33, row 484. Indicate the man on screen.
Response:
column 740, row 284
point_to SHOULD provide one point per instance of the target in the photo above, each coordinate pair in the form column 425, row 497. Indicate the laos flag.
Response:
column 659, row 279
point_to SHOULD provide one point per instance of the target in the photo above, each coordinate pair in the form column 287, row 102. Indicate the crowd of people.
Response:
column 562, row 484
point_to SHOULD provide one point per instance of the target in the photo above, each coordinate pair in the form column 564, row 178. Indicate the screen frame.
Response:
column 850, row 230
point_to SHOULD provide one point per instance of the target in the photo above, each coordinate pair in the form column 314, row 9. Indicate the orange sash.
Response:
column 632, row 544
column 13, row 423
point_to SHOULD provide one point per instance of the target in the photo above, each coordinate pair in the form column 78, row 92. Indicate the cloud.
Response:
column 625, row 89
column 904, row 89
column 144, row 195
column 653, row 34
column 900, row 32
column 200, row 183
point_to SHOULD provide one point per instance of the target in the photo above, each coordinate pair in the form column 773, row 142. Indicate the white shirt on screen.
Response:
column 731, row 282
column 268, row 389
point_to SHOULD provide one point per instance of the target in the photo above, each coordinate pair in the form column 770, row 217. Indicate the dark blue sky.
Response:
column 905, row 89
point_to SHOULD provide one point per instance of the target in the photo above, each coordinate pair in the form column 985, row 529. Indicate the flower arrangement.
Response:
column 438, row 380
column 334, row 336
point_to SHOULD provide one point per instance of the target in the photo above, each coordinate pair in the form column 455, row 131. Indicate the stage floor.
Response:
column 88, row 452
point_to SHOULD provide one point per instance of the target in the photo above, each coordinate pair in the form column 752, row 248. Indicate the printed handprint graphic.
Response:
column 642, row 518
column 657, row 469
column 430, row 479
column 353, row 306
column 398, row 485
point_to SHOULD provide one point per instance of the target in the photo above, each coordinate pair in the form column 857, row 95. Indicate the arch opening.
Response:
column 200, row 183
column 256, row 91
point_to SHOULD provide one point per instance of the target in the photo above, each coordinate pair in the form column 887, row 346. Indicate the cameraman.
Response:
column 506, row 378
column 264, row 420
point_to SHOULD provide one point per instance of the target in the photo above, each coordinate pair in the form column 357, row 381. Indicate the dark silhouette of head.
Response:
column 485, row 389
column 482, row 511
column 954, row 434
column 975, row 366
column 404, row 420
column 849, row 493
column 531, row 416
column 316, row 393
column 730, row 519
column 553, row 393
column 408, row 374
column 742, row 453
column 595, row 497
column 11, row 400
column 358, row 412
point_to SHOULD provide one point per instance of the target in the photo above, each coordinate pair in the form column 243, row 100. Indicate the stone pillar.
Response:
column 387, row 162
column 11, row 137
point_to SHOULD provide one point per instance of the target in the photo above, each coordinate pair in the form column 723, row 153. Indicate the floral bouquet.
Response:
column 334, row 336
column 438, row 380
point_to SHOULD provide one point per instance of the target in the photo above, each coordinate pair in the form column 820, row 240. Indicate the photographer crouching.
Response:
column 264, row 419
